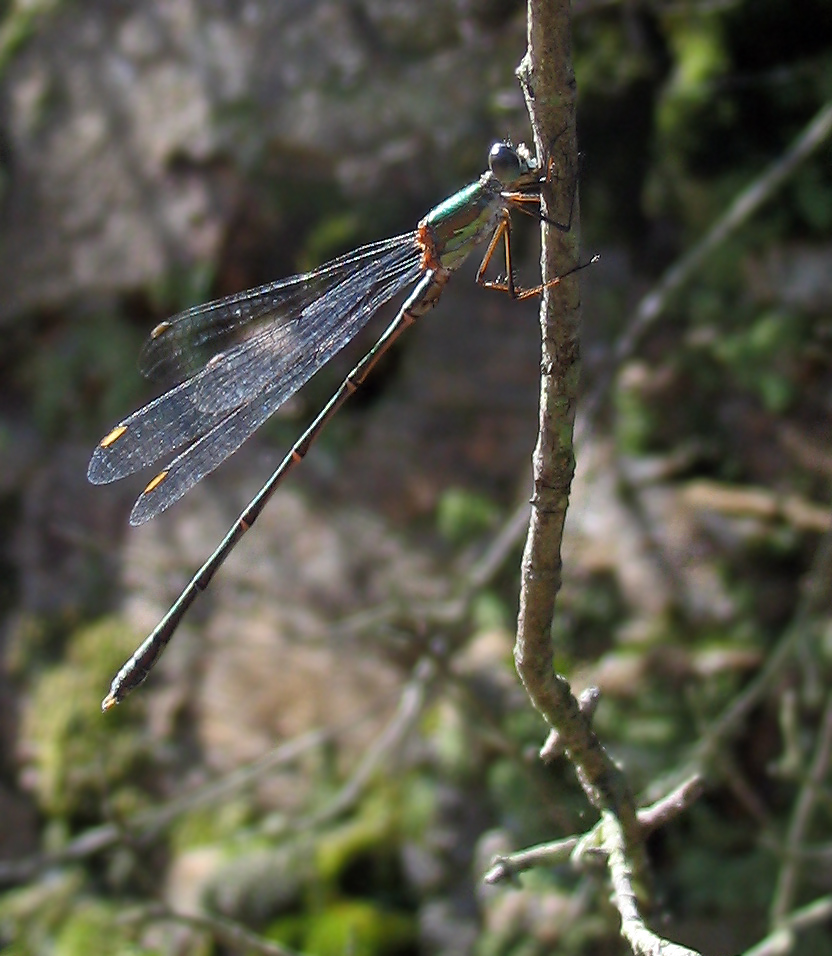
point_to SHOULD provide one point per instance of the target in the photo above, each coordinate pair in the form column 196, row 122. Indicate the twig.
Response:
column 757, row 503
column 588, row 701
column 670, row 806
column 411, row 706
column 804, row 807
column 782, row 939
column 544, row 854
column 560, row 851
column 643, row 941
column 549, row 87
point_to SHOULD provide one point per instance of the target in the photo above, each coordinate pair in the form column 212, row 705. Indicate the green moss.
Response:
column 698, row 51
column 32, row 914
column 78, row 754
column 606, row 61
column 373, row 829
column 687, row 103
column 94, row 927
column 360, row 928
column 462, row 515
column 451, row 739
column 208, row 825
column 54, row 916
column 417, row 804
column 721, row 868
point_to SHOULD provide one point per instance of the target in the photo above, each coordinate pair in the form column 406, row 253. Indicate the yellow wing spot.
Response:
column 155, row 482
column 113, row 437
column 160, row 328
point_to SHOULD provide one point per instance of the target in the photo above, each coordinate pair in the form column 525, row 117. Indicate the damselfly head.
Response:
column 510, row 164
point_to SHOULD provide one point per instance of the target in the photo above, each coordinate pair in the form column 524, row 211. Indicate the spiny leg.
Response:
column 503, row 231
column 521, row 202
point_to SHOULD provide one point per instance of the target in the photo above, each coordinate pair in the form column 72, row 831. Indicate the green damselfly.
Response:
column 239, row 358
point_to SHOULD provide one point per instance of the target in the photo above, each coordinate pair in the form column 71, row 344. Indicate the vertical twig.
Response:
column 549, row 87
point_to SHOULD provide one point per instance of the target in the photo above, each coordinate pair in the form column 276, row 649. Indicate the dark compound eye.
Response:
column 504, row 163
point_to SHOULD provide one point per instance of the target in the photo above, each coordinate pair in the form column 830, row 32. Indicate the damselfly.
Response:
column 237, row 360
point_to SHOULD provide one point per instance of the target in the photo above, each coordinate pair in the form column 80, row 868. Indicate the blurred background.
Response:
column 336, row 743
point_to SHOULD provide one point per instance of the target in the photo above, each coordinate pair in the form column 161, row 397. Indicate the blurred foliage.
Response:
column 360, row 927
column 463, row 515
column 76, row 758
column 19, row 19
column 94, row 359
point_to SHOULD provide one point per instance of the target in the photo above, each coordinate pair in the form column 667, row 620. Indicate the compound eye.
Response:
column 504, row 163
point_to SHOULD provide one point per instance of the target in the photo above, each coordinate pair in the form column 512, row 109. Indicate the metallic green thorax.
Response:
column 465, row 220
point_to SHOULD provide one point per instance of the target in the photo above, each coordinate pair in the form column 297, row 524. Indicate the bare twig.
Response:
column 549, row 87
column 670, row 806
column 643, row 941
column 588, row 701
column 544, row 854
column 560, row 851
column 788, row 879
column 757, row 503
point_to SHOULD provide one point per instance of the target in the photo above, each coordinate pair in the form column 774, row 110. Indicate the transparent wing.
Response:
column 179, row 347
column 275, row 338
